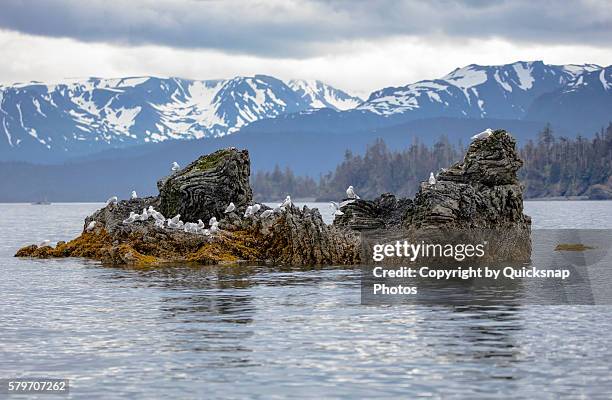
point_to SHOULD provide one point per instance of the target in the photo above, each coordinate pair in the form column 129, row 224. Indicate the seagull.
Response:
column 159, row 223
column 350, row 193
column 266, row 213
column 248, row 212
column 432, row 179
column 131, row 218
column 286, row 202
column 230, row 208
column 201, row 224
column 134, row 195
column 336, row 208
column 156, row 214
column 213, row 221
column 91, row 226
column 483, row 135
column 112, row 200
column 255, row 208
column 44, row 243
column 176, row 219
column 145, row 215
column 175, row 166
column 175, row 225
column 191, row 227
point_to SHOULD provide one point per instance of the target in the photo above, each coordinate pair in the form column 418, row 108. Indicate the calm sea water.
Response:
column 236, row 332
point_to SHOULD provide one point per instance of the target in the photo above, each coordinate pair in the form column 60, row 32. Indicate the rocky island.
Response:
column 480, row 193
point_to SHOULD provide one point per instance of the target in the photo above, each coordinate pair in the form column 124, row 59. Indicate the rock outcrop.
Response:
column 205, row 187
column 478, row 199
column 479, row 193
column 385, row 212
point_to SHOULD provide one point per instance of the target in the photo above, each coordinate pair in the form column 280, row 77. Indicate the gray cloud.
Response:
column 288, row 28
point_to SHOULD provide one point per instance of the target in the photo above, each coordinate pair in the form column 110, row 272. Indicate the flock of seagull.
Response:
column 191, row 227
column 251, row 211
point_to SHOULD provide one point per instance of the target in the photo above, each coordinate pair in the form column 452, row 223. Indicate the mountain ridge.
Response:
column 79, row 116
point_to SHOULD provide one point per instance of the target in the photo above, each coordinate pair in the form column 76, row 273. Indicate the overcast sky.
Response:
column 358, row 46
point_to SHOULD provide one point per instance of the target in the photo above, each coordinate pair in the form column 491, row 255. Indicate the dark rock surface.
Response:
column 385, row 212
column 204, row 188
column 481, row 192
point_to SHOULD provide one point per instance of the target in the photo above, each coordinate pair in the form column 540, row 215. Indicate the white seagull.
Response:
column 201, row 224
column 230, row 208
column 483, row 135
column 133, row 216
column 256, row 207
column 176, row 219
column 213, row 221
column 112, row 200
column 145, row 215
column 248, row 212
column 134, row 195
column 336, row 207
column 91, row 226
column 286, row 202
column 175, row 166
column 350, row 193
column 432, row 179
column 44, row 243
column 266, row 213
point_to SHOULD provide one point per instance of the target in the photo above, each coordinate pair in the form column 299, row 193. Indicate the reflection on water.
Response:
column 252, row 331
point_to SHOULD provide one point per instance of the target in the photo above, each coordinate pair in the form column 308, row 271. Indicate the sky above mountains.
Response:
column 356, row 46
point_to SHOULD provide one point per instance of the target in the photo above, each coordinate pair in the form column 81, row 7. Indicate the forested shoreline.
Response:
column 554, row 167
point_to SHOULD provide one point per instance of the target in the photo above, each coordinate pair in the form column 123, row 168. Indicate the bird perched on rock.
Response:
column 175, row 166
column 432, row 179
column 112, row 200
column 133, row 216
column 201, row 224
column 145, row 215
column 248, row 212
column 134, row 195
column 191, row 227
column 230, row 208
column 266, row 213
column 483, row 135
column 159, row 223
column 91, row 226
column 256, row 208
column 350, row 193
column 336, row 207
column 286, row 203
column 214, row 225
column 44, row 243
column 176, row 219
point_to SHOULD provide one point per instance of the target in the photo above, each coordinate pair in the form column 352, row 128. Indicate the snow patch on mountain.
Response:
column 321, row 95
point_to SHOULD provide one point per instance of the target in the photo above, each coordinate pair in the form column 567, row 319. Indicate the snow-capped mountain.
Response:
column 89, row 114
column 476, row 91
column 50, row 122
column 321, row 95
column 585, row 100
